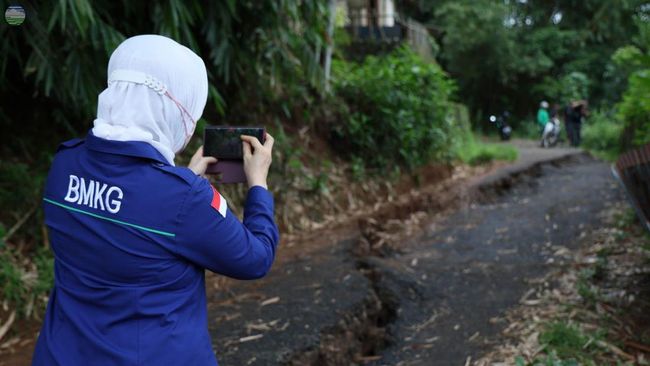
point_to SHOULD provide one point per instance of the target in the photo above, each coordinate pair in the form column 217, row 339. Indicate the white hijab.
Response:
column 130, row 110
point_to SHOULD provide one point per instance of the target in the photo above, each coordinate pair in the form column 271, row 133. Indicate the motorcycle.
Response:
column 551, row 133
column 505, row 131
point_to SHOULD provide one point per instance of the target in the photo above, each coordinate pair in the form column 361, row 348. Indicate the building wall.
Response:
column 361, row 13
column 377, row 20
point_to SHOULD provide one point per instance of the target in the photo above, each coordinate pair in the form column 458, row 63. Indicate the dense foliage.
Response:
column 262, row 56
column 602, row 135
column 634, row 109
column 627, row 124
column 54, row 65
column 530, row 50
column 398, row 110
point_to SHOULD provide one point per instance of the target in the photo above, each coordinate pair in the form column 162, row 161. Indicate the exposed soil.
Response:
column 18, row 349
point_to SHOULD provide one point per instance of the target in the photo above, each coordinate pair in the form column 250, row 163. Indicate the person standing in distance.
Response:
column 132, row 234
column 575, row 113
column 542, row 116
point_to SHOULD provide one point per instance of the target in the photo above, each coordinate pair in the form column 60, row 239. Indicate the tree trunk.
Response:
column 330, row 43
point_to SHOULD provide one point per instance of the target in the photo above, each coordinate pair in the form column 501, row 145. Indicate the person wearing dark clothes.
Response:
column 568, row 118
column 573, row 119
column 555, row 110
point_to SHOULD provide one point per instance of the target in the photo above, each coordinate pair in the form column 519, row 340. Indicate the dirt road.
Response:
column 434, row 300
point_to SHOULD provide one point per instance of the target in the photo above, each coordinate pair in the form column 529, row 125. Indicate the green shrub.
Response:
column 398, row 110
column 528, row 129
column 602, row 135
column 468, row 149
column 634, row 109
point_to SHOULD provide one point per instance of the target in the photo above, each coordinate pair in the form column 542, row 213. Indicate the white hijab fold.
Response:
column 128, row 111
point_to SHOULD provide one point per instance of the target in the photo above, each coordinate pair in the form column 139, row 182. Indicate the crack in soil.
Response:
column 341, row 302
column 370, row 329
column 361, row 335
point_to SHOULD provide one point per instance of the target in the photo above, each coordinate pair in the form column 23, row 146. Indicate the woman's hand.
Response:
column 257, row 159
column 199, row 163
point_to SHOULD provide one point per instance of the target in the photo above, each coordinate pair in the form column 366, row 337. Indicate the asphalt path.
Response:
column 479, row 261
column 437, row 301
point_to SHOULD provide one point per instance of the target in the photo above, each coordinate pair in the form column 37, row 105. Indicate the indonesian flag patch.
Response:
column 218, row 202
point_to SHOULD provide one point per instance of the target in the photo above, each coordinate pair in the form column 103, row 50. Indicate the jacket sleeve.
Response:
column 221, row 243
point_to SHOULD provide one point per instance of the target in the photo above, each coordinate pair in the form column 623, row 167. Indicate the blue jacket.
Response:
column 131, row 237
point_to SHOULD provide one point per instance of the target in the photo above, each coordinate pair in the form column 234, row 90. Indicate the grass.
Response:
column 563, row 338
column 585, row 289
column 565, row 345
column 527, row 129
column 601, row 136
column 582, row 334
column 474, row 152
column 550, row 360
column 629, row 225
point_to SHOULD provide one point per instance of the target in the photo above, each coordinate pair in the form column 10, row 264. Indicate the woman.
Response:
column 132, row 233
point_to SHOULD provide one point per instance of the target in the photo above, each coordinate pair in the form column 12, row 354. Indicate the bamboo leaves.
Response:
column 254, row 50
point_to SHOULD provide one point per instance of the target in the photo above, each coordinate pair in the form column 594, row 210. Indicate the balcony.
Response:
column 374, row 27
